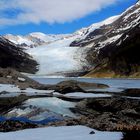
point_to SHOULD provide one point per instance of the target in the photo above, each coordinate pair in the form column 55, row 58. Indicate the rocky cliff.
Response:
column 114, row 47
column 14, row 57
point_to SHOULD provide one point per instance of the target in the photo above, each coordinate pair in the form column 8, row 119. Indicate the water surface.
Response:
column 115, row 85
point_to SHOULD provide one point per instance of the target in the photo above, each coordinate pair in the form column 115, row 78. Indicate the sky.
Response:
column 55, row 16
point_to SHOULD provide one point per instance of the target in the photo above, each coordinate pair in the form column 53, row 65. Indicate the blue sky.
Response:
column 24, row 17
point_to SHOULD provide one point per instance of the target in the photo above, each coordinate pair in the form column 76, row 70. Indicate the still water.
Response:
column 115, row 85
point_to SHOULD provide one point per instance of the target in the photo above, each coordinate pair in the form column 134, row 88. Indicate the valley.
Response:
column 83, row 85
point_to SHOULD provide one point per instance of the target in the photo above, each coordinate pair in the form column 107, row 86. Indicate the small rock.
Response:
column 92, row 132
column 9, row 76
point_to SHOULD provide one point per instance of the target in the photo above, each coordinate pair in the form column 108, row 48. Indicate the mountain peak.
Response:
column 138, row 2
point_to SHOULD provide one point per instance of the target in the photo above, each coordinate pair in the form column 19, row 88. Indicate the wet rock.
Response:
column 131, row 92
column 111, row 114
column 9, row 125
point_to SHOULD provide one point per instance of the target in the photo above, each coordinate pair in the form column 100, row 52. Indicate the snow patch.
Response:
column 86, row 95
column 13, row 91
column 61, row 133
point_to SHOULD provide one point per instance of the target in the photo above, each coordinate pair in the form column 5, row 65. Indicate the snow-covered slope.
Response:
column 61, row 133
column 104, row 33
column 85, row 31
column 52, row 52
column 34, row 39
column 19, row 40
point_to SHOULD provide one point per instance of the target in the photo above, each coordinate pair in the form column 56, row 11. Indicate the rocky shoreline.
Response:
column 115, row 113
column 13, row 125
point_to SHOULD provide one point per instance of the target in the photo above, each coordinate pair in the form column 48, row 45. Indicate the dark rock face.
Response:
column 116, row 45
column 14, row 57
column 126, row 55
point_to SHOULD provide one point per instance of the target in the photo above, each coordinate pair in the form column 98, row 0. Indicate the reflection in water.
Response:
column 52, row 104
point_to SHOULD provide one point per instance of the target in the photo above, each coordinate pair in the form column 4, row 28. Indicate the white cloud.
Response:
column 50, row 11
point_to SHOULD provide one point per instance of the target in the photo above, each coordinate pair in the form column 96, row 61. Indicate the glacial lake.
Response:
column 56, row 105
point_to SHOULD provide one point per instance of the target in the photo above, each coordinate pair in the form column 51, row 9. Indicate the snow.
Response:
column 61, row 133
column 34, row 39
column 22, row 40
column 109, row 40
column 58, row 57
column 130, row 14
column 21, row 79
column 138, row 3
column 99, row 24
column 55, row 57
column 17, row 112
column 16, row 91
column 19, row 39
column 46, row 38
column 86, row 95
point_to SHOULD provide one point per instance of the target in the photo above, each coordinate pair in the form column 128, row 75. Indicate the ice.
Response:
column 57, row 57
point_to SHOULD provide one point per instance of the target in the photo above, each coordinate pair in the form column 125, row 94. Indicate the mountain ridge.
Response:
column 98, row 42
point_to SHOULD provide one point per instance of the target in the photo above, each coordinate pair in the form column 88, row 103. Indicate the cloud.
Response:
column 49, row 11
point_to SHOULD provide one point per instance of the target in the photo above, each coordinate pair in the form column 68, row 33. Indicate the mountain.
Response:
column 58, row 59
column 52, row 52
column 105, row 49
column 14, row 57
column 114, row 46
column 33, row 39
column 106, row 32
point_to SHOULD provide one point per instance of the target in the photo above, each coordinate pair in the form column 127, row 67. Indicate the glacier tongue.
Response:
column 58, row 57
